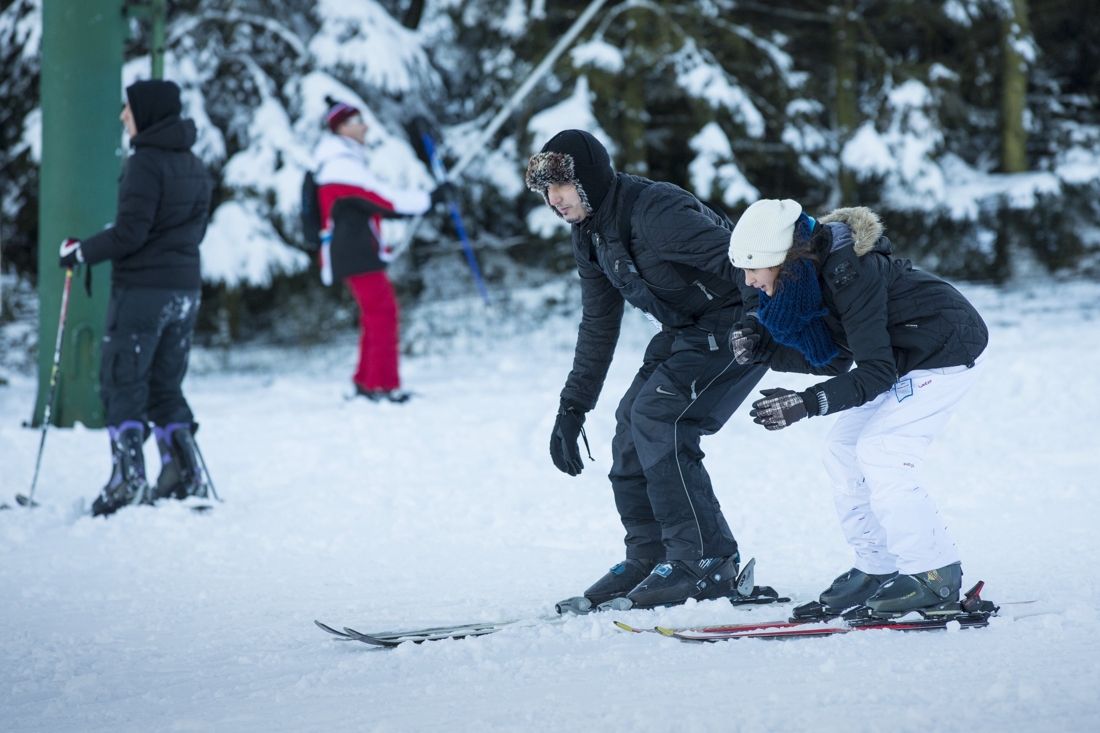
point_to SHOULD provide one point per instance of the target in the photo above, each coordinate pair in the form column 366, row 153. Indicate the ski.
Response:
column 393, row 638
column 760, row 595
column 973, row 612
column 794, row 629
column 747, row 594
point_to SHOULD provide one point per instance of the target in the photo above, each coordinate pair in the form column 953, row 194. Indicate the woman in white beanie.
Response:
column 830, row 287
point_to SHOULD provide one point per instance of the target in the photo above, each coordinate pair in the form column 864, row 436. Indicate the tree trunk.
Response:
column 413, row 13
column 1015, row 32
column 846, row 109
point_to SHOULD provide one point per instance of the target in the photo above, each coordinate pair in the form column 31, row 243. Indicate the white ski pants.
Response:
column 874, row 455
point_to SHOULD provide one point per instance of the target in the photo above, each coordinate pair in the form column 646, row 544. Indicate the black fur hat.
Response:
column 576, row 157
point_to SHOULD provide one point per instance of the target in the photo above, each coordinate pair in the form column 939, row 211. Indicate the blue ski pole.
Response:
column 440, row 174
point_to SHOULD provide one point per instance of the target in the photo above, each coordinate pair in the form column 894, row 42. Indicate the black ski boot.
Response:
column 851, row 589
column 934, row 593
column 674, row 581
column 180, row 469
column 397, row 396
column 616, row 583
column 127, row 484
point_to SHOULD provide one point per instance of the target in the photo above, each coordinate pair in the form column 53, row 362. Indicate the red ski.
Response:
column 973, row 612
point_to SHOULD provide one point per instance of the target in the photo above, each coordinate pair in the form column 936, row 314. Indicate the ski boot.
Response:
column 616, row 583
column 127, row 484
column 180, row 468
column 674, row 581
column 396, row 396
column 849, row 590
column 932, row 593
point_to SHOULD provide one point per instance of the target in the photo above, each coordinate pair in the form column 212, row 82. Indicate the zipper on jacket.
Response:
column 693, row 395
column 712, row 342
column 705, row 291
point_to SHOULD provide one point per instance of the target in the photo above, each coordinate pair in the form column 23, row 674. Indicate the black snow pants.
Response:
column 146, row 345
column 689, row 386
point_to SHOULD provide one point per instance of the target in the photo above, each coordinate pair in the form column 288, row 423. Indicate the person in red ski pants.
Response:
column 352, row 201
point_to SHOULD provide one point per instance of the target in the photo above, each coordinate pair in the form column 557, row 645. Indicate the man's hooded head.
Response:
column 152, row 101
column 573, row 157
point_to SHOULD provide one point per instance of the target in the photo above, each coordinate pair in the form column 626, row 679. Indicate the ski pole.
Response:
column 209, row 478
column 506, row 111
column 533, row 78
column 441, row 177
column 28, row 501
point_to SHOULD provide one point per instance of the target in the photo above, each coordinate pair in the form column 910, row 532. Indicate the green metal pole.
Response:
column 158, row 10
column 81, row 92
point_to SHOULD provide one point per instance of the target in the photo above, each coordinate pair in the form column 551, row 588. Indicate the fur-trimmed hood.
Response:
column 573, row 157
column 550, row 169
column 866, row 227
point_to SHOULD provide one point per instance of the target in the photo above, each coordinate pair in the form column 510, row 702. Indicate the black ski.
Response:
column 748, row 594
column 393, row 638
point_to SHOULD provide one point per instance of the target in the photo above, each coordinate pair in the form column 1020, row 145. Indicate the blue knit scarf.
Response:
column 795, row 315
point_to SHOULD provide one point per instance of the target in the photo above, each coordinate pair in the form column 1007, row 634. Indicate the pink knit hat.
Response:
column 339, row 114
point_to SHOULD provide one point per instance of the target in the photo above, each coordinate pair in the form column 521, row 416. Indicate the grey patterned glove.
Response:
column 779, row 408
column 743, row 343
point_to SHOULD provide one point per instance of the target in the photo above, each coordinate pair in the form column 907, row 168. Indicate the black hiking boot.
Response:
column 127, row 484
column 674, row 581
column 934, row 592
column 180, row 469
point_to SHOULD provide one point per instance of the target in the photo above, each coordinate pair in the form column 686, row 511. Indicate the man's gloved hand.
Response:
column 71, row 256
column 743, row 343
column 564, row 447
column 778, row 409
column 443, row 193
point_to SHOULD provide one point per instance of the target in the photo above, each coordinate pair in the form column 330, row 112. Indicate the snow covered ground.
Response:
column 448, row 510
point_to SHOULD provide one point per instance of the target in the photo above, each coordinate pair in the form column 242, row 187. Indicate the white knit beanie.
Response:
column 764, row 233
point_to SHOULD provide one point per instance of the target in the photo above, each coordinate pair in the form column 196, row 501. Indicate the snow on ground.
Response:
column 448, row 510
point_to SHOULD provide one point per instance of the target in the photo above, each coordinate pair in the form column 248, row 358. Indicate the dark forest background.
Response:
column 972, row 126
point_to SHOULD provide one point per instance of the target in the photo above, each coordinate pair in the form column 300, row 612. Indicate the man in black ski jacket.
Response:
column 659, row 248
column 156, row 285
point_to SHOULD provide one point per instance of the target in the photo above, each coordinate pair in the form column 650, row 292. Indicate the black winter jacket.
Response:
column 354, row 248
column 676, row 268
column 885, row 315
column 163, row 207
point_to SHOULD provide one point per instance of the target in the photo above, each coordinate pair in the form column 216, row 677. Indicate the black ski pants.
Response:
column 146, row 344
column 689, row 386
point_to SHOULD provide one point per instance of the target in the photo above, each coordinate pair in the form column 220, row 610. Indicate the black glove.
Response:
column 71, row 256
column 565, row 451
column 780, row 408
column 443, row 193
column 743, row 343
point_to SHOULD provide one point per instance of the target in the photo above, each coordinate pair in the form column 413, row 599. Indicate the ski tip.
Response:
column 627, row 627
column 330, row 630
column 665, row 632
column 201, row 508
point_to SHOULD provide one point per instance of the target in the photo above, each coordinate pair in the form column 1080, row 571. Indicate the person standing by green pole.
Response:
column 156, row 287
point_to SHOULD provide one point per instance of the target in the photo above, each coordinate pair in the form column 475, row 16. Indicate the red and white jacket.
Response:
column 352, row 241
